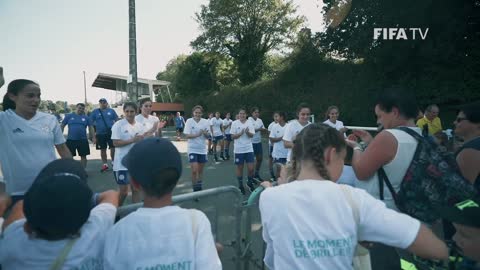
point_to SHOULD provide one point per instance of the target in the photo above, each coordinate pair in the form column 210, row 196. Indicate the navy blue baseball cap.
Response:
column 150, row 156
column 102, row 100
column 59, row 201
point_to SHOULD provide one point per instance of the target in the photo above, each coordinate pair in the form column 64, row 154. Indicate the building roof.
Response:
column 109, row 81
column 167, row 107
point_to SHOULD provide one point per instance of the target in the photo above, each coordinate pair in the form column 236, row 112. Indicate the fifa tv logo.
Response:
column 400, row 33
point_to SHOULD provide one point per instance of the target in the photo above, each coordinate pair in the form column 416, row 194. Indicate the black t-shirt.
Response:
column 473, row 144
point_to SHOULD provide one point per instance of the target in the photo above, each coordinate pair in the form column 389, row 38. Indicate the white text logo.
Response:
column 400, row 33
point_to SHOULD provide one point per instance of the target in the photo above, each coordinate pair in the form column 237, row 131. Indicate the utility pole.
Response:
column 132, row 48
column 85, row 87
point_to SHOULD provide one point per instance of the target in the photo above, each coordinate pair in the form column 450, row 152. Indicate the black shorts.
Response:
column 79, row 145
column 180, row 129
column 103, row 140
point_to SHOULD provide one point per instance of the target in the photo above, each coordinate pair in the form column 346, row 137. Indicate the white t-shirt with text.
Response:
column 122, row 130
column 316, row 228
column 244, row 143
column 26, row 146
column 196, row 145
column 161, row 238
column 20, row 251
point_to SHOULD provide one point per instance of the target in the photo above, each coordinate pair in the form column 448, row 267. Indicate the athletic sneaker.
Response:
column 223, row 158
column 104, row 168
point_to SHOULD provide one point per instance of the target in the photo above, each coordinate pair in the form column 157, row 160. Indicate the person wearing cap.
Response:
column 77, row 140
column 55, row 226
column 125, row 133
column 103, row 119
column 466, row 219
column 159, row 235
column 28, row 138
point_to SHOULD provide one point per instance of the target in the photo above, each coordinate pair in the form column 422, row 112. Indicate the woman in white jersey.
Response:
column 257, row 140
column 294, row 238
column 151, row 124
column 227, row 123
column 197, row 130
column 28, row 138
column 242, row 132
column 332, row 115
column 295, row 126
column 125, row 133
column 217, row 135
column 270, row 146
column 279, row 152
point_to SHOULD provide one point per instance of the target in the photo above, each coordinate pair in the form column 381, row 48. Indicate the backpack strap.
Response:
column 60, row 261
column 411, row 132
column 383, row 178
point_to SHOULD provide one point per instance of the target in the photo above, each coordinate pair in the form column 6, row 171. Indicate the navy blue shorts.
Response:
column 280, row 160
column 244, row 158
column 217, row 138
column 121, row 177
column 228, row 137
column 197, row 158
column 257, row 149
column 209, row 137
column 270, row 150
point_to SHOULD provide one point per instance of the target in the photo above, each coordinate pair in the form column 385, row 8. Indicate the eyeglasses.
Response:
column 460, row 119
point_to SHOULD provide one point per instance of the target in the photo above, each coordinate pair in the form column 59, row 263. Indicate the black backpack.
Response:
column 432, row 180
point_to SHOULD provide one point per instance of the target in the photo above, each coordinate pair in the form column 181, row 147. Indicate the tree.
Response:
column 443, row 68
column 195, row 75
column 171, row 69
column 246, row 30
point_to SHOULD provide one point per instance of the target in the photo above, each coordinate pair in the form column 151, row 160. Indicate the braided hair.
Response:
column 310, row 144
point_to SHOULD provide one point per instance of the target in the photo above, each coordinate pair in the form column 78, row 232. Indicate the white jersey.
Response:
column 196, row 145
column 227, row 124
column 26, row 146
column 291, row 131
column 122, row 130
column 279, row 150
column 216, row 125
column 257, row 138
column 296, row 241
column 161, row 238
column 270, row 130
column 18, row 250
column 244, row 143
column 146, row 123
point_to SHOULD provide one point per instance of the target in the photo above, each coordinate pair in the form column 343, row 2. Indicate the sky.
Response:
column 54, row 41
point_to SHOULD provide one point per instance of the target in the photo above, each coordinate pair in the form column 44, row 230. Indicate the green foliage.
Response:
column 246, row 30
